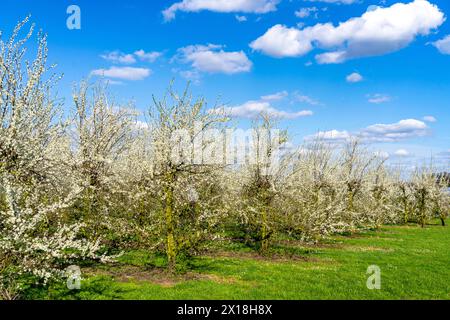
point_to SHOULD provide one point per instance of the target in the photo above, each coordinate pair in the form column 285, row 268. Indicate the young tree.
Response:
column 405, row 199
column 178, row 125
column 103, row 132
column 380, row 208
column 356, row 164
column 441, row 202
column 431, row 198
column 312, row 195
column 423, row 183
column 257, row 179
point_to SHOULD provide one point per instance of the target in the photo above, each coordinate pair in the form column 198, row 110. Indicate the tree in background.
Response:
column 258, row 180
column 430, row 196
column 312, row 195
column 102, row 134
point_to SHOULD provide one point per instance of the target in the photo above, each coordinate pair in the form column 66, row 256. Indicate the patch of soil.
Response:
column 157, row 276
column 319, row 245
column 271, row 257
column 366, row 248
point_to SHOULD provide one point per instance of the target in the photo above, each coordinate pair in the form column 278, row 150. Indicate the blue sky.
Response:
column 382, row 74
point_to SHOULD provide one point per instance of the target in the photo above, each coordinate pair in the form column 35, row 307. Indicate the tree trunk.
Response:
column 350, row 201
column 264, row 233
column 171, row 247
column 422, row 208
column 406, row 218
column 406, row 211
column 443, row 222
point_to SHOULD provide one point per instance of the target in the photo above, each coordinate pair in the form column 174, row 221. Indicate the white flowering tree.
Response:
column 440, row 198
column 36, row 184
column 379, row 196
column 180, row 178
column 356, row 166
column 403, row 198
column 256, row 183
column 102, row 133
column 430, row 199
column 314, row 205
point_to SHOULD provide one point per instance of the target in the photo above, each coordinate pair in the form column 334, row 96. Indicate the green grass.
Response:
column 414, row 262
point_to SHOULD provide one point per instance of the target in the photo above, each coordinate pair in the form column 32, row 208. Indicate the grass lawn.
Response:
column 414, row 262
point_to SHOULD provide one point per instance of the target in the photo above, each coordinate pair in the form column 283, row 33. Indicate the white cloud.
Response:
column 402, row 153
column 192, row 75
column 254, row 108
column 404, row 129
column 429, row 119
column 124, row 73
column 376, row 32
column 305, row 12
column 213, row 59
column 354, row 77
column 147, row 56
column 332, row 136
column 240, row 18
column 247, row 6
column 443, row 45
column 281, row 41
column 379, row 98
column 331, row 57
column 305, row 99
column 119, row 57
column 276, row 96
column 377, row 133
column 130, row 58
